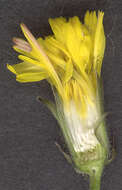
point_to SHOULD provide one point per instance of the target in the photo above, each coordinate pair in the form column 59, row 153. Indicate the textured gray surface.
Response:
column 29, row 159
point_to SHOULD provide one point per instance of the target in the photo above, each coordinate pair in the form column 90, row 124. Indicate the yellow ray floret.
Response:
column 69, row 60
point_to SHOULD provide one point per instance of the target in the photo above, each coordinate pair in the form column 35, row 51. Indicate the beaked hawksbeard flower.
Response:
column 70, row 60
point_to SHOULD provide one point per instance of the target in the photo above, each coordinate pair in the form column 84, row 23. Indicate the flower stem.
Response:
column 95, row 181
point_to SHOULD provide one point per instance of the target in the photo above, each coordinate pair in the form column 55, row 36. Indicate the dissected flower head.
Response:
column 70, row 60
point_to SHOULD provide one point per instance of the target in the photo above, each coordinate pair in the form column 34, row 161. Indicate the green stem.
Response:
column 95, row 181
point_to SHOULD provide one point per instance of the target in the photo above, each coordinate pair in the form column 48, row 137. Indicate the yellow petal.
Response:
column 90, row 21
column 94, row 18
column 59, row 56
column 73, row 46
column 77, row 26
column 56, row 47
column 29, row 60
column 32, row 54
column 54, row 51
column 68, row 71
column 31, row 77
column 27, row 72
column 43, row 58
column 58, row 28
column 11, row 68
column 56, row 60
column 24, row 67
column 86, row 18
column 17, row 49
column 99, row 44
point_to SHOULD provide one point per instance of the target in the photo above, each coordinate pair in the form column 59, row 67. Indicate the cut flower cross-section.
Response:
column 71, row 60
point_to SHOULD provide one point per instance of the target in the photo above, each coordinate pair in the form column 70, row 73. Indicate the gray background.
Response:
column 29, row 159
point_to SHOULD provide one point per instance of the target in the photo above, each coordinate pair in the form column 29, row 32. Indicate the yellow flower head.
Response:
column 69, row 60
